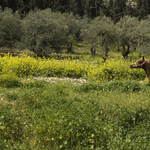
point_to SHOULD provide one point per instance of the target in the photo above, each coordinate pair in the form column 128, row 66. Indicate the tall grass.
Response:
column 64, row 115
column 41, row 115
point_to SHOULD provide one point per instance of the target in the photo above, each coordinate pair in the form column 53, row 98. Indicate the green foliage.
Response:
column 74, row 25
column 43, row 32
column 79, row 7
column 10, row 28
column 118, row 9
column 89, row 34
column 90, row 116
column 10, row 123
column 115, row 9
column 33, row 83
column 100, row 31
column 143, row 39
column 127, row 30
column 9, row 80
column 128, row 86
column 112, row 70
column 128, row 35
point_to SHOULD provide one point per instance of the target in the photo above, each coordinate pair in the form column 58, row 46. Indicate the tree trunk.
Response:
column 106, row 53
column 93, row 51
column 125, row 52
column 70, row 47
column 118, row 48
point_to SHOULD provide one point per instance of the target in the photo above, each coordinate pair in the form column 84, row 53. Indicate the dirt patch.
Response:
column 56, row 79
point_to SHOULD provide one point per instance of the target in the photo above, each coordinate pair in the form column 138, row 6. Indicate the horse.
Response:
column 144, row 64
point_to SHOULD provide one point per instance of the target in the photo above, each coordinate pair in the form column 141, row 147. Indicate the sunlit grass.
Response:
column 96, row 114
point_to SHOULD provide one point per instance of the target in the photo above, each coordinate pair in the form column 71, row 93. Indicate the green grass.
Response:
column 68, row 116
column 61, row 115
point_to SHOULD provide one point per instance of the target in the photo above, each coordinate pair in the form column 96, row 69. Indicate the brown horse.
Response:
column 142, row 63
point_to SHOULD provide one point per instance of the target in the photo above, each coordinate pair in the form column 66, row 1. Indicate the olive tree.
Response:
column 108, row 35
column 10, row 28
column 44, row 32
column 128, row 34
column 74, row 25
column 143, row 39
column 89, row 34
column 100, row 32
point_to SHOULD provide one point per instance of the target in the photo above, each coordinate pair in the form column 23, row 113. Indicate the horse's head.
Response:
column 138, row 64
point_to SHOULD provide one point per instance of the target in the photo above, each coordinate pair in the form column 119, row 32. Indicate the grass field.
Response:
column 111, row 110
column 64, row 115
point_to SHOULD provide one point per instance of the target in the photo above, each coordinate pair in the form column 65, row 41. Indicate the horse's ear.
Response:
column 143, row 57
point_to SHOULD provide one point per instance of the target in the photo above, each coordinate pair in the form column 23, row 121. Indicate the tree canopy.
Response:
column 102, row 24
column 115, row 9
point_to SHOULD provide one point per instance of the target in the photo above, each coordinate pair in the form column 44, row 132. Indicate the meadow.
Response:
column 110, row 111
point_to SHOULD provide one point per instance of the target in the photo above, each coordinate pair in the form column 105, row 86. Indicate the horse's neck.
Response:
column 146, row 67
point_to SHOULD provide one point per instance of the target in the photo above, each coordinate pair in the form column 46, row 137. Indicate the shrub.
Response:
column 9, row 80
column 116, row 69
column 112, row 70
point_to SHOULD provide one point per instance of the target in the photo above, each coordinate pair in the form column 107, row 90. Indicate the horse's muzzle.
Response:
column 131, row 67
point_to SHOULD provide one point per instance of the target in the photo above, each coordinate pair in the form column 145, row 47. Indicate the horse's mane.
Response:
column 148, row 61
